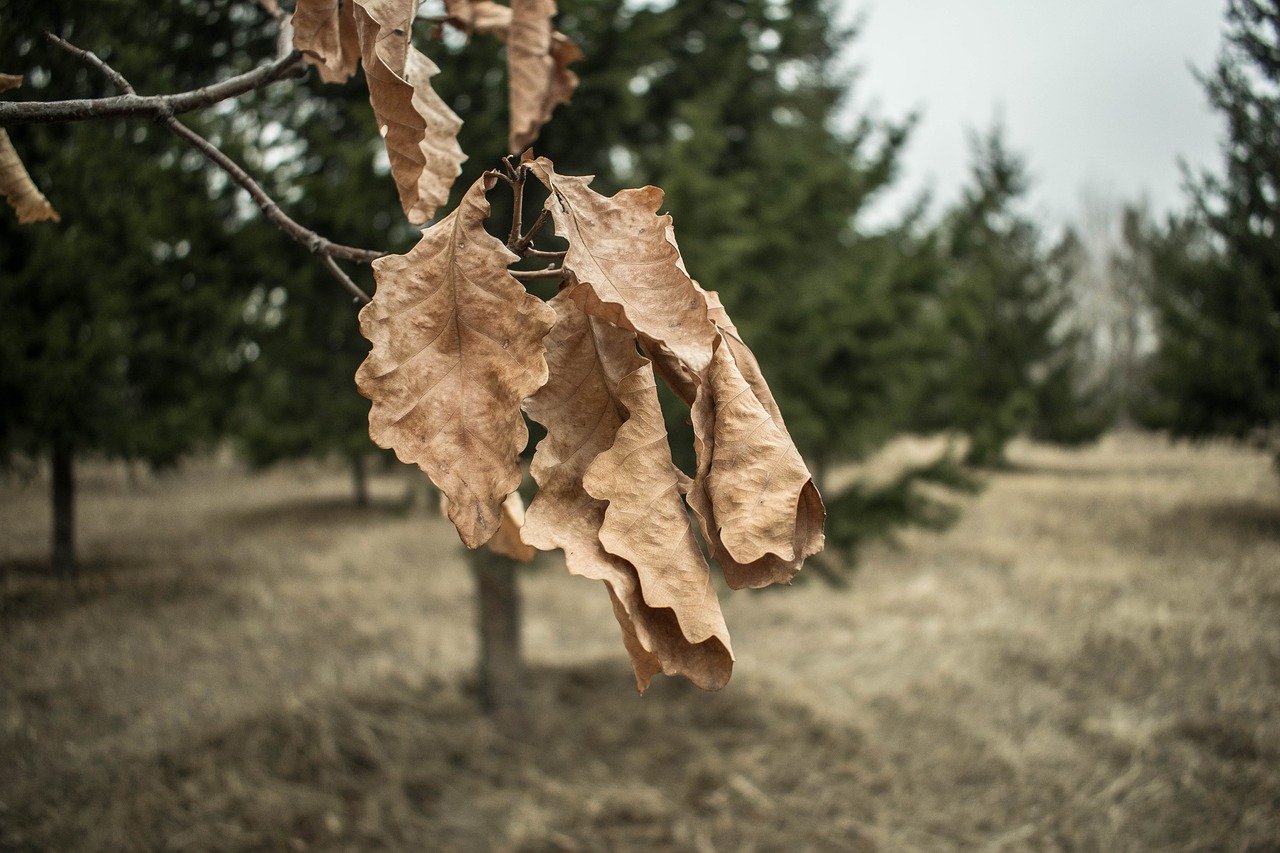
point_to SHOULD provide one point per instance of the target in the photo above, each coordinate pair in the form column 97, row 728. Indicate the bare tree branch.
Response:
column 326, row 249
column 132, row 104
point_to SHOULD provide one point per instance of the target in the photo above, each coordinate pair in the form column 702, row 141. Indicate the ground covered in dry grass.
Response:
column 1090, row 660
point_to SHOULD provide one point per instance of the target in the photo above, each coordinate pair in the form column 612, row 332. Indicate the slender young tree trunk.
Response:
column 501, row 665
column 63, row 497
column 360, row 479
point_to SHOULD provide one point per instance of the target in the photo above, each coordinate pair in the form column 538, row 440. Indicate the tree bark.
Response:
column 63, row 498
column 501, row 665
column 360, row 479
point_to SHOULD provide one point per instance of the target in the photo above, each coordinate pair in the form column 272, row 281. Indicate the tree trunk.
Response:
column 501, row 666
column 360, row 479
column 63, row 496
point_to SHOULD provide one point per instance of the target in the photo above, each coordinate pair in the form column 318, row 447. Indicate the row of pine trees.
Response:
column 163, row 316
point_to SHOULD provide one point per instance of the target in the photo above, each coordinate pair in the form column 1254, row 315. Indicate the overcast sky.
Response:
column 1091, row 92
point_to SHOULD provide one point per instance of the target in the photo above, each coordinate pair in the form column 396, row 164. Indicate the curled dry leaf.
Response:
column 539, row 78
column 760, row 513
column 418, row 128
column 325, row 32
column 507, row 541
column 15, row 183
column 484, row 17
column 593, row 365
column 623, row 269
column 538, row 58
column 457, row 345
column 753, row 495
column 646, row 522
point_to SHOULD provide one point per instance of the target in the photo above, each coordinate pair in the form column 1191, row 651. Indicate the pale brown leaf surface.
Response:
column 457, row 345
column 583, row 417
column 539, row 78
column 418, row 128
column 538, row 58
column 787, row 530
column 755, row 498
column 15, row 183
column 479, row 16
column 646, row 522
column 507, row 541
column 325, row 32
column 623, row 268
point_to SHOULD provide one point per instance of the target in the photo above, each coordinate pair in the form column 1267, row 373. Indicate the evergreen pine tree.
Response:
column 1216, row 270
column 116, row 325
column 1013, row 362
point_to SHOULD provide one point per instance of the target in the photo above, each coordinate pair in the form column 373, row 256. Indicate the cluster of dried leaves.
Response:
column 460, row 348
column 420, row 131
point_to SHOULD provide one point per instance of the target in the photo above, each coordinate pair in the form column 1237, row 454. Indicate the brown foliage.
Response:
column 419, row 129
column 457, row 344
column 623, row 269
column 325, row 32
column 417, row 126
column 608, row 494
column 755, row 498
column 460, row 350
column 583, row 414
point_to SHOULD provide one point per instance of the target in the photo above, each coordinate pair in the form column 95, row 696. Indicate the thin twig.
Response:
column 336, row 271
column 540, row 253
column 523, row 243
column 537, row 275
column 133, row 104
column 517, row 210
column 313, row 241
column 319, row 245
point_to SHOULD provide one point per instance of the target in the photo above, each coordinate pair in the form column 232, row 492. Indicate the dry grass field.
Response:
column 1089, row 660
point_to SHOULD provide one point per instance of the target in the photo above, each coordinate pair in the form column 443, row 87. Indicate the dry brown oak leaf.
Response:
column 755, row 500
column 623, row 269
column 417, row 126
column 15, row 183
column 507, row 541
column 759, row 511
column 479, row 16
column 325, row 32
column 538, row 58
column 457, row 345
column 669, row 624
column 539, row 78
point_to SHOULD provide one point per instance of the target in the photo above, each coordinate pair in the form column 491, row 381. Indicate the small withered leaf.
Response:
column 457, row 345
column 584, row 413
column 418, row 128
column 539, row 78
column 755, row 499
column 624, row 269
column 325, row 32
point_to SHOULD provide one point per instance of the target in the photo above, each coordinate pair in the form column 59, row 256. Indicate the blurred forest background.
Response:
column 163, row 324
